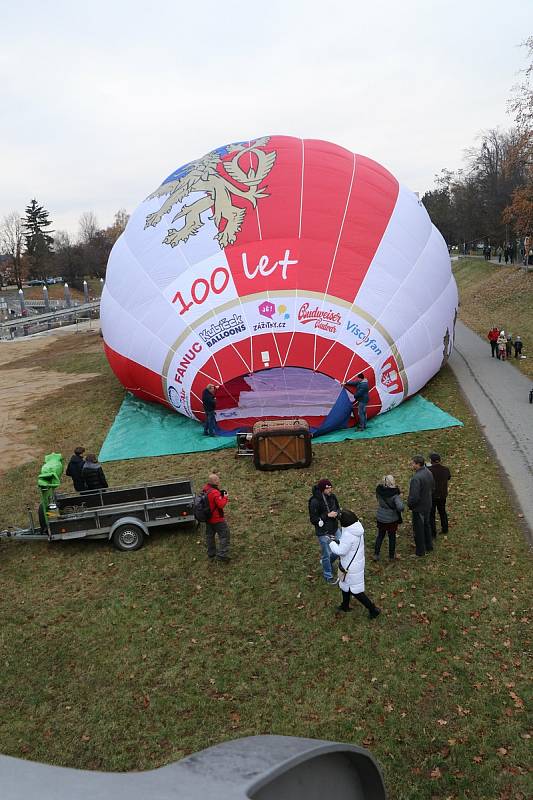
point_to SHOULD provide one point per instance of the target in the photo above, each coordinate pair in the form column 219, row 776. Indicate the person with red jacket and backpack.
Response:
column 492, row 336
column 216, row 528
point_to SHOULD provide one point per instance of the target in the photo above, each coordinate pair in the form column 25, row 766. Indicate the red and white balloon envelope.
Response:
column 278, row 268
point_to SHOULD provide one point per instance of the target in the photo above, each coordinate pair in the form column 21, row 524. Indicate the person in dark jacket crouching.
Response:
column 74, row 469
column 93, row 474
column 388, row 515
column 323, row 512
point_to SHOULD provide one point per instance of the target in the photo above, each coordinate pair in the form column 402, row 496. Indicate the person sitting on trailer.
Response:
column 93, row 474
column 74, row 469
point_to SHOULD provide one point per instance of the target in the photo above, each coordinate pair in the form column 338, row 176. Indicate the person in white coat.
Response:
column 502, row 346
column 351, row 549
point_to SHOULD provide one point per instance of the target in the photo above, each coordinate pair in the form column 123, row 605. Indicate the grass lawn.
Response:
column 129, row 661
column 497, row 295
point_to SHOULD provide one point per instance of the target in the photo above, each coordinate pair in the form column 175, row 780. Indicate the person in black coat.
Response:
column 209, row 403
column 324, row 510
column 93, row 474
column 420, row 501
column 360, row 389
column 74, row 469
column 441, row 476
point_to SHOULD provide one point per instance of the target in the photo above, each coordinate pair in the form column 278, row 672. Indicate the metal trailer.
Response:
column 124, row 514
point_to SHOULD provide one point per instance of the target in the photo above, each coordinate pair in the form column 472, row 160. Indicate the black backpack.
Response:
column 312, row 500
column 201, row 508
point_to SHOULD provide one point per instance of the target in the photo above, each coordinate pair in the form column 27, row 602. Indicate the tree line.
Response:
column 31, row 250
column 490, row 200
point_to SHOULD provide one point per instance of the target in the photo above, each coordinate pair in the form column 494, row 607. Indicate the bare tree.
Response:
column 62, row 240
column 519, row 212
column 521, row 102
column 489, row 167
column 12, row 242
column 121, row 219
column 88, row 227
column 117, row 228
column 69, row 259
column 491, row 200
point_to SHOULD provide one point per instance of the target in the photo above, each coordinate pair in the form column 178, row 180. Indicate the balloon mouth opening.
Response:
column 278, row 393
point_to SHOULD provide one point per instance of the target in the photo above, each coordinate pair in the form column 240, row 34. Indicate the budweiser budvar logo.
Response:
column 324, row 319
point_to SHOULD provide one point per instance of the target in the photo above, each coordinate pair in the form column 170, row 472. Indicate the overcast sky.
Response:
column 102, row 100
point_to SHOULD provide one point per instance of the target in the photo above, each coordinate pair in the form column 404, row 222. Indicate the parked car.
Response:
column 36, row 283
column 56, row 279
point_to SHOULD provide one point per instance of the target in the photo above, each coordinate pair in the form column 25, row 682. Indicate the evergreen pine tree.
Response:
column 38, row 239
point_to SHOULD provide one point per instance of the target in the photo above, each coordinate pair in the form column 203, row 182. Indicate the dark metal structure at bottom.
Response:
column 253, row 768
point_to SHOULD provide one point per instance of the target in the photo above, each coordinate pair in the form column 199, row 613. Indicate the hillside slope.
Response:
column 497, row 295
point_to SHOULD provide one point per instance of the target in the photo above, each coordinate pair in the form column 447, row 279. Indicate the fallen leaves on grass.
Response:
column 518, row 702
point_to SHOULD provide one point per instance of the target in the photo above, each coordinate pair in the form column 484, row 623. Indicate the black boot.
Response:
column 345, row 605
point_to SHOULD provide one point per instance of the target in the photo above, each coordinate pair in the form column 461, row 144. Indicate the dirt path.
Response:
column 19, row 388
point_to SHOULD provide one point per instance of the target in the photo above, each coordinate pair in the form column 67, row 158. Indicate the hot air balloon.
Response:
column 278, row 268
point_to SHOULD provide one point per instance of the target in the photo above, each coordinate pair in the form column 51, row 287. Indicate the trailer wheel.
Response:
column 128, row 537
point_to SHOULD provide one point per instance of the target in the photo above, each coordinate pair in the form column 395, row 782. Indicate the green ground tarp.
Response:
column 144, row 429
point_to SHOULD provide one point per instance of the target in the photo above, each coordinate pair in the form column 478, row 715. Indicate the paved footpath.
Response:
column 499, row 396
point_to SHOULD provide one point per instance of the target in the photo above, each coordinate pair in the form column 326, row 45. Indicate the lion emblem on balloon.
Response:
column 248, row 168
